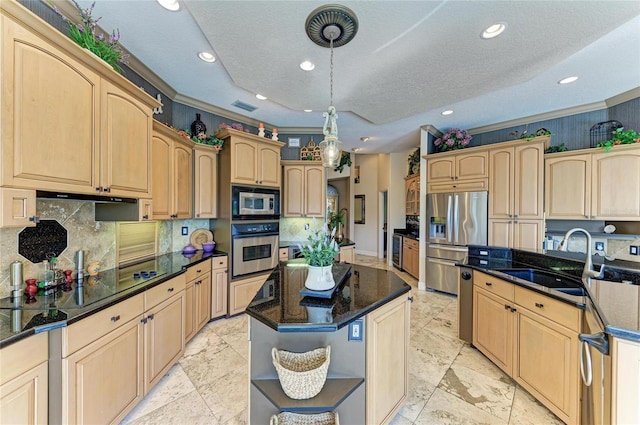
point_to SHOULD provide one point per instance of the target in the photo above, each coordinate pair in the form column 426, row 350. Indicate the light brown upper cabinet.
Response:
column 457, row 172
column 412, row 194
column 69, row 123
column 172, row 174
column 305, row 189
column 593, row 184
column 252, row 160
column 205, row 181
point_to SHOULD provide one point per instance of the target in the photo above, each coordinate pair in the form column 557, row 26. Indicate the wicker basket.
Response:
column 288, row 418
column 302, row 375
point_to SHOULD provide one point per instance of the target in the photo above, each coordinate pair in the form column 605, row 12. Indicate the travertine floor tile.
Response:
column 445, row 408
column 189, row 409
column 526, row 410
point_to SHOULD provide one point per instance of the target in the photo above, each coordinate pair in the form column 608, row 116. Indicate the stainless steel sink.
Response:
column 551, row 280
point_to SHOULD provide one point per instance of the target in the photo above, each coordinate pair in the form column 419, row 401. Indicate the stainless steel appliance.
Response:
column 465, row 304
column 254, row 247
column 595, row 368
column 396, row 250
column 294, row 252
column 454, row 220
column 255, row 203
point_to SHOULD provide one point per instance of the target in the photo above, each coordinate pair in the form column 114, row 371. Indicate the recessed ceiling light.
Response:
column 567, row 80
column 171, row 5
column 307, row 66
column 356, row 149
column 365, row 138
column 494, row 30
column 207, row 57
column 308, row 110
column 261, row 97
column 447, row 112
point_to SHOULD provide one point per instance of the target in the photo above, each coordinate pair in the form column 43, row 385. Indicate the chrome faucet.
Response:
column 588, row 265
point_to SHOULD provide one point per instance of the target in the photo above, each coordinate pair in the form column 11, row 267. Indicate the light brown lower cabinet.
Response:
column 111, row 359
column 387, row 339
column 625, row 397
column 411, row 257
column 23, row 386
column 347, row 254
column 531, row 337
column 219, row 286
column 197, row 298
column 242, row 291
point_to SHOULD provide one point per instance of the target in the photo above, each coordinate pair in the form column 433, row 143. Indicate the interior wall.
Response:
column 398, row 166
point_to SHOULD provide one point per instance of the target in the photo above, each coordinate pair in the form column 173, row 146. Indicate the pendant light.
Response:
column 331, row 26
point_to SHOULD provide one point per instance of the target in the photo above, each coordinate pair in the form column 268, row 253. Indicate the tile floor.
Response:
column 450, row 382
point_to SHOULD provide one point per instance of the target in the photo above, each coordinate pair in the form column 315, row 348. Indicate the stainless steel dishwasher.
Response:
column 595, row 368
column 465, row 304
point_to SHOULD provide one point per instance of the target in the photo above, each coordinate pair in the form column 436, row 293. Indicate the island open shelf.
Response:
column 362, row 386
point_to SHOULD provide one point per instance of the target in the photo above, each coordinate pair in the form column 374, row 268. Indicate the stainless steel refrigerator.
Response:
column 454, row 221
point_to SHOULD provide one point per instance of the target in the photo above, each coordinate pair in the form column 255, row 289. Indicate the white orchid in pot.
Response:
column 319, row 253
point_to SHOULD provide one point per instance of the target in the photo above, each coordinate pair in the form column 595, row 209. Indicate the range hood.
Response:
column 64, row 196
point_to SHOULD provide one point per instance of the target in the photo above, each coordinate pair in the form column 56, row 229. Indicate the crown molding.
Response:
column 623, row 97
column 560, row 113
column 431, row 130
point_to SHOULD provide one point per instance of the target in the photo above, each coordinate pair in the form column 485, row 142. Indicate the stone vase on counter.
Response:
column 320, row 278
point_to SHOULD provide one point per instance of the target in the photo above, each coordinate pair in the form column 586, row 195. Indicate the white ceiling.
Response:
column 409, row 61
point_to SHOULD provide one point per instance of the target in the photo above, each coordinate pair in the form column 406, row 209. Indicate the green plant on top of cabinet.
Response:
column 305, row 189
column 172, row 174
column 97, row 125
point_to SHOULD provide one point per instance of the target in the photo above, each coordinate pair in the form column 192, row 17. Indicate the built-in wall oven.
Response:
column 254, row 247
column 255, row 203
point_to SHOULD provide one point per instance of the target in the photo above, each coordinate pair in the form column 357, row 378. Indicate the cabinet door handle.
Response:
column 107, row 189
column 145, row 217
column 198, row 282
column 539, row 305
column 507, row 307
column 150, row 317
column 515, row 216
column 115, row 318
column 586, row 216
column 410, row 299
column 488, row 283
column 513, row 310
column 34, row 219
column 170, row 290
column 199, row 271
column 143, row 321
column 99, row 189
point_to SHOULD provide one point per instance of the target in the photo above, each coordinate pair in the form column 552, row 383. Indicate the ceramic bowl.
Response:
column 189, row 249
column 208, row 246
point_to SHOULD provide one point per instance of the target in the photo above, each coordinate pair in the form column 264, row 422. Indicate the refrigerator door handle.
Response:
column 456, row 218
column 450, row 225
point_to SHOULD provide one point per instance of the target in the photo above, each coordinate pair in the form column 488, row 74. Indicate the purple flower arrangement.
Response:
column 86, row 34
column 452, row 139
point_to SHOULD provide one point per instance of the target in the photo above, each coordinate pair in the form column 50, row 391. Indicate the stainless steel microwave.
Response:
column 251, row 203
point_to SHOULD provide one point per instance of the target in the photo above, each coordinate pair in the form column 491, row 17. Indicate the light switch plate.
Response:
column 185, row 230
column 633, row 250
column 355, row 330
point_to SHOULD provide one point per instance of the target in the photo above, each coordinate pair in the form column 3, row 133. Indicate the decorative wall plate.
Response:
column 199, row 236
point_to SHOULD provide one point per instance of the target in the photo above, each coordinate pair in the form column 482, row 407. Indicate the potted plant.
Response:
column 452, row 139
column 620, row 137
column 337, row 220
column 319, row 253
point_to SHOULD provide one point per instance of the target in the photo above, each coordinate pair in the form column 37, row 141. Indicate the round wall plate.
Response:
column 199, row 236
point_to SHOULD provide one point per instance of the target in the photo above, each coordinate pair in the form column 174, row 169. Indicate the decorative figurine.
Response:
column 261, row 129
column 274, row 136
column 198, row 126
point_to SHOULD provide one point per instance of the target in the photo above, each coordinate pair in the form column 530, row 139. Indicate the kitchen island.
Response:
column 366, row 323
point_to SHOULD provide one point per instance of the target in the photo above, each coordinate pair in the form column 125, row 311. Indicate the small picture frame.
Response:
column 294, row 142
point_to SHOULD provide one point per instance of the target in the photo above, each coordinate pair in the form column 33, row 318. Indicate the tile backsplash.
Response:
column 96, row 238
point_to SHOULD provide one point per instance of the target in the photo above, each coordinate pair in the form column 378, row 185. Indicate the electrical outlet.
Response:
column 634, row 250
column 355, row 330
column 306, row 226
column 185, row 230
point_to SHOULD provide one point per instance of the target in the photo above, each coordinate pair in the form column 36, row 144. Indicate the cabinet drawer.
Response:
column 494, row 285
column 155, row 296
column 410, row 243
column 561, row 313
column 87, row 330
column 219, row 262
column 23, row 355
column 197, row 270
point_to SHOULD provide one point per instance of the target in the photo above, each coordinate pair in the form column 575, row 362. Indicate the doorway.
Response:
column 382, row 225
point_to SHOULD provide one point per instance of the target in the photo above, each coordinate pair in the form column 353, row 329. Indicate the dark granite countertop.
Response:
column 286, row 244
column 616, row 297
column 63, row 306
column 280, row 306
column 408, row 233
